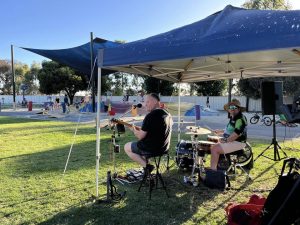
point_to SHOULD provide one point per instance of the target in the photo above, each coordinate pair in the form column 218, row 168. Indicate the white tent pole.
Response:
column 179, row 91
column 98, row 154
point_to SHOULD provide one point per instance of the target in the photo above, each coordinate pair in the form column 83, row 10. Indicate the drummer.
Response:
column 235, row 134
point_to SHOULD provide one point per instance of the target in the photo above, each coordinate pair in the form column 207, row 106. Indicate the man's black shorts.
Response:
column 135, row 149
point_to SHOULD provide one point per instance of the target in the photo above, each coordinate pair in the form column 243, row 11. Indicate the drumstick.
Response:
column 214, row 131
column 208, row 128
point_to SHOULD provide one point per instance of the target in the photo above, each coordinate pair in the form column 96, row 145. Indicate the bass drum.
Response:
column 184, row 154
column 244, row 157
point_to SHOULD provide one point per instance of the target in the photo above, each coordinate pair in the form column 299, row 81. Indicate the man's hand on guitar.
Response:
column 133, row 128
column 126, row 124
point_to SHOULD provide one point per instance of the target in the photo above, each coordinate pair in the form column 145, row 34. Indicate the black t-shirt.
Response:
column 158, row 125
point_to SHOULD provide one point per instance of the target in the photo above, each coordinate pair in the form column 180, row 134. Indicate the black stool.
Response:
column 154, row 178
column 238, row 159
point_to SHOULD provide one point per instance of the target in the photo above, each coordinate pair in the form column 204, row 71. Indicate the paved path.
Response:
column 214, row 122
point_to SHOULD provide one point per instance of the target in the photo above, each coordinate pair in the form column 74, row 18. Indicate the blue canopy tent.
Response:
column 78, row 58
column 232, row 43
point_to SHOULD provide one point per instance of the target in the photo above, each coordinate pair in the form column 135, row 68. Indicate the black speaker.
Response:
column 271, row 97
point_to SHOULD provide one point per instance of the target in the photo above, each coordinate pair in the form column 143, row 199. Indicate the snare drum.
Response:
column 205, row 145
column 184, row 154
column 214, row 139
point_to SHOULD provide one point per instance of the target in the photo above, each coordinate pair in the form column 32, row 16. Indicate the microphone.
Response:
column 139, row 105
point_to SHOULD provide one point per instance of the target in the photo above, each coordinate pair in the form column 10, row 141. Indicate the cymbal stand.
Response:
column 197, row 161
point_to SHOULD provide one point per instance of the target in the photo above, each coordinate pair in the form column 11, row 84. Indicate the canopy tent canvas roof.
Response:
column 232, row 43
column 78, row 58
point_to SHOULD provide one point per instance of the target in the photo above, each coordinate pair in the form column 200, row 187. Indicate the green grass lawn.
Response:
column 34, row 190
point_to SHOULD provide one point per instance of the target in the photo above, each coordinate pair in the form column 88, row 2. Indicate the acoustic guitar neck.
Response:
column 124, row 123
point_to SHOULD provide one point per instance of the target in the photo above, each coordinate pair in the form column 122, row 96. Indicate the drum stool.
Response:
column 156, row 177
column 239, row 159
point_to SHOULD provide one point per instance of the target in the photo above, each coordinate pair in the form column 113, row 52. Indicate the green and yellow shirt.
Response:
column 237, row 124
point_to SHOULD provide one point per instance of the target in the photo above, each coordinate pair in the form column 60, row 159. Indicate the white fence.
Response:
column 216, row 102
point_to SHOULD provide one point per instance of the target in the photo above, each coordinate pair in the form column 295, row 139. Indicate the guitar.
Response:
column 113, row 120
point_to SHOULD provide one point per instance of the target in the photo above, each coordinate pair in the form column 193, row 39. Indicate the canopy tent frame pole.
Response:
column 179, row 103
column 93, row 72
column 98, row 142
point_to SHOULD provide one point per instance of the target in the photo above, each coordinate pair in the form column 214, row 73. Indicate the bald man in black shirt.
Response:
column 155, row 133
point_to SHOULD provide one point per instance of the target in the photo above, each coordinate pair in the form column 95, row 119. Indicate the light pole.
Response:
column 13, row 76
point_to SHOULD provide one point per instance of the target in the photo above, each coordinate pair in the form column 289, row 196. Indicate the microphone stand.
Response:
column 116, row 148
column 128, row 111
column 112, row 194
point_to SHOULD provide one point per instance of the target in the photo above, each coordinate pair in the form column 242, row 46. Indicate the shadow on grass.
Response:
column 137, row 209
column 82, row 156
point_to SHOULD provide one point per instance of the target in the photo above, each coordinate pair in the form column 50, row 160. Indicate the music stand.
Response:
column 275, row 145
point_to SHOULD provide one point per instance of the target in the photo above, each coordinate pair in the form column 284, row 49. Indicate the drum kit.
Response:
column 190, row 154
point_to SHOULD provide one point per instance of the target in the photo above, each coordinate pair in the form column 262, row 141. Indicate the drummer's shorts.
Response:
column 229, row 147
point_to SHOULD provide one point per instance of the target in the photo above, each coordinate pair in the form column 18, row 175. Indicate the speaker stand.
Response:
column 275, row 144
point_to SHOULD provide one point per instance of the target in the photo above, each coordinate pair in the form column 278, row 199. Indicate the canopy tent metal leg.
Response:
column 179, row 119
column 98, row 153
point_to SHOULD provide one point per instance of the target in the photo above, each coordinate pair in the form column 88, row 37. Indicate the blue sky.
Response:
column 56, row 24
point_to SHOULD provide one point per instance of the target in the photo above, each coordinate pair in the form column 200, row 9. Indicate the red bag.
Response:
column 246, row 213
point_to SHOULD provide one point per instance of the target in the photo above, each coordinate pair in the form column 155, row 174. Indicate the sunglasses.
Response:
column 232, row 107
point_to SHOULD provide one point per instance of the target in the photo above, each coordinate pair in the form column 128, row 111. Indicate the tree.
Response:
column 211, row 88
column 291, row 85
column 105, row 84
column 20, row 71
column 267, row 4
column 250, row 87
column 54, row 77
column 158, row 86
column 30, row 78
column 23, row 75
column 5, row 78
column 122, row 83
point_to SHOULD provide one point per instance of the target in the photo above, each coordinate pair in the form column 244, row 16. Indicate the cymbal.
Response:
column 191, row 127
column 184, row 122
column 198, row 131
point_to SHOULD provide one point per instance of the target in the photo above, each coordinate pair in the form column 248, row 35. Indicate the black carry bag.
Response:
column 216, row 179
column 282, row 206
